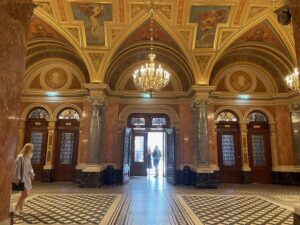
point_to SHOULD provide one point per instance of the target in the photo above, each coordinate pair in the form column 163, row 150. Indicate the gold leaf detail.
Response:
column 202, row 61
column 96, row 59
column 136, row 9
column 186, row 35
column 75, row 32
column 45, row 6
column 114, row 33
column 254, row 11
column 225, row 35
column 166, row 10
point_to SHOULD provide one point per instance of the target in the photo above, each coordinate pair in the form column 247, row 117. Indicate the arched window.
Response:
column 38, row 113
column 138, row 121
column 257, row 117
column 159, row 121
column 69, row 114
column 227, row 116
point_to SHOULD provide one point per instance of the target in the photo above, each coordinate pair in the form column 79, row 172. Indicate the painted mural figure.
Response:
column 207, row 18
column 93, row 15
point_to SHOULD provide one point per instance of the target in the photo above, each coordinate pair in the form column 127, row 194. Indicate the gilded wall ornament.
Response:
column 56, row 78
column 240, row 81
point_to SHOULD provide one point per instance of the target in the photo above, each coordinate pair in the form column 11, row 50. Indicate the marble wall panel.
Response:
column 185, row 151
column 112, row 147
column 285, row 151
column 84, row 133
column 213, row 151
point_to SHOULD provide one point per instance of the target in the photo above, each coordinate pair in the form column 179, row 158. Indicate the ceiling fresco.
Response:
column 200, row 33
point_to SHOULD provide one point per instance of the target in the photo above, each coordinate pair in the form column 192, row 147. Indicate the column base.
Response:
column 286, row 178
column 204, row 177
column 247, row 177
column 92, row 176
column 6, row 222
column 47, row 175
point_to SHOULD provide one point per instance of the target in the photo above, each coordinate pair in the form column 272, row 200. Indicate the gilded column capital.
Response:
column 96, row 100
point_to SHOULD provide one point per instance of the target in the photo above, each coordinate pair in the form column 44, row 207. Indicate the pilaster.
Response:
column 47, row 170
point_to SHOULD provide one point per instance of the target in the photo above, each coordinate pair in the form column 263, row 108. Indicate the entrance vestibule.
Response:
column 144, row 132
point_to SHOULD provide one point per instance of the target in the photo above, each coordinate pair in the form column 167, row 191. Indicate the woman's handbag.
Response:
column 20, row 185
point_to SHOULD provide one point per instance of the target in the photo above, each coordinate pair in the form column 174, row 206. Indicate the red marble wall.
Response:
column 185, row 151
column 285, row 150
column 84, row 133
column 14, row 24
column 111, row 140
column 213, row 151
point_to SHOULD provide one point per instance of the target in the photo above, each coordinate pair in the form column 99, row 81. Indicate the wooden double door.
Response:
column 37, row 134
column 135, row 153
column 66, row 150
column 229, row 152
column 259, row 151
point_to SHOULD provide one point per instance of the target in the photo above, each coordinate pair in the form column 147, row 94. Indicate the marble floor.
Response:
column 152, row 201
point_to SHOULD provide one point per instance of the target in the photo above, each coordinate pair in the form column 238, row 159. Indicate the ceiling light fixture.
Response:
column 149, row 77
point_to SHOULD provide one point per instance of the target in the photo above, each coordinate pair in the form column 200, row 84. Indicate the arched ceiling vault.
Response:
column 137, row 47
column 204, row 35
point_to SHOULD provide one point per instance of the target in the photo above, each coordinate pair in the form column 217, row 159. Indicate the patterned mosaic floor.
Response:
column 69, row 209
column 152, row 201
column 222, row 209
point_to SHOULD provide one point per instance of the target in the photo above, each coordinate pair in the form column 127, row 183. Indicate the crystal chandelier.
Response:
column 149, row 77
column 292, row 80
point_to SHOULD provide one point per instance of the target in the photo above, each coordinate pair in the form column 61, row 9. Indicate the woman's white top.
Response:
column 28, row 172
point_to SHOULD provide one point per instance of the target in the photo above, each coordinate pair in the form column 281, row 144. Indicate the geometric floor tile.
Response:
column 69, row 209
column 226, row 209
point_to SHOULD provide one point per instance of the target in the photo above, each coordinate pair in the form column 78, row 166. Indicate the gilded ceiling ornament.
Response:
column 96, row 59
column 254, row 11
column 75, row 33
column 225, row 35
column 45, row 6
column 202, row 61
column 56, row 78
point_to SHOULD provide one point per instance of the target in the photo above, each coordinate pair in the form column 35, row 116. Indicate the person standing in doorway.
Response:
column 156, row 157
column 23, row 172
column 149, row 161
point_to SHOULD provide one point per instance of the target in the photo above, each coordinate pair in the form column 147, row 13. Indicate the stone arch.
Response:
column 262, row 110
column 34, row 70
column 172, row 114
column 259, row 72
column 64, row 106
column 129, row 30
column 54, row 24
column 29, row 108
column 269, row 18
column 230, row 108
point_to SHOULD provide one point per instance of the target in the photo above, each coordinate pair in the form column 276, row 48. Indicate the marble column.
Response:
column 203, row 174
column 91, row 173
column 48, row 167
column 14, row 23
column 202, row 139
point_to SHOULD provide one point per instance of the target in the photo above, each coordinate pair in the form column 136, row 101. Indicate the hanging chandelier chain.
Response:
column 151, row 77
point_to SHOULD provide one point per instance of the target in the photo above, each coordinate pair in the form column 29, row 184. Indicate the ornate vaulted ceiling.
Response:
column 195, row 40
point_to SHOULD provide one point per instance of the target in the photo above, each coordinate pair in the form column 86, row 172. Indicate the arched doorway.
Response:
column 229, row 150
column 259, row 149
column 65, row 154
column 143, row 130
column 37, row 134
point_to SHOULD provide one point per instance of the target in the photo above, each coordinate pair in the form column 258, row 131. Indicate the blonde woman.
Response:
column 23, row 172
